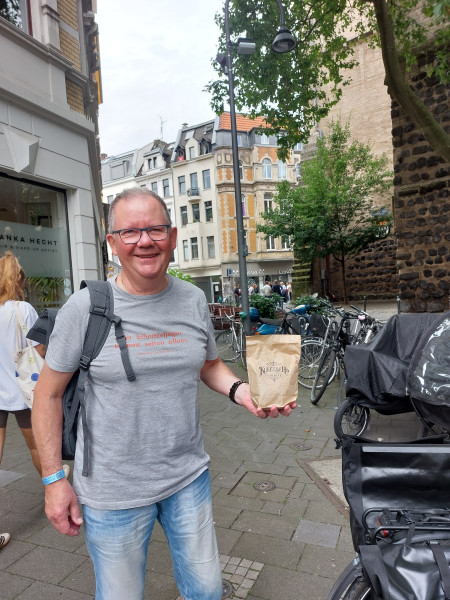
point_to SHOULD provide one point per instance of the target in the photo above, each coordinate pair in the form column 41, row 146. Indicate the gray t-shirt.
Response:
column 145, row 441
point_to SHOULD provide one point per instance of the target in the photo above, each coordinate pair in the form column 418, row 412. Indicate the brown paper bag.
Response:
column 272, row 363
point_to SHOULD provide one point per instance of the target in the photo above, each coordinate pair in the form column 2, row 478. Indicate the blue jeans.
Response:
column 117, row 541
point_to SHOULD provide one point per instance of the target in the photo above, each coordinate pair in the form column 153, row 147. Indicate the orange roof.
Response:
column 242, row 123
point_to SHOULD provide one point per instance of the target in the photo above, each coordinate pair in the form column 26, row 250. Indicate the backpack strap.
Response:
column 101, row 316
column 120, row 337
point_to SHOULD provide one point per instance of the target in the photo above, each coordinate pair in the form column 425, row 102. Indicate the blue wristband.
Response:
column 54, row 477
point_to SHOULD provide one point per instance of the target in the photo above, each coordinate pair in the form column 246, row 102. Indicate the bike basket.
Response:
column 297, row 323
column 318, row 325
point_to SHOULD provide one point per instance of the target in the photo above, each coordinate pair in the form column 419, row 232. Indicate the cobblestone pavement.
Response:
column 282, row 532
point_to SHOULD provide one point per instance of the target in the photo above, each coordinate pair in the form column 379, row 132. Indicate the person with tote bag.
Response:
column 16, row 318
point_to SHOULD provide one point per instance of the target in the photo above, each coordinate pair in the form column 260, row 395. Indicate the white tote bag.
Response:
column 28, row 362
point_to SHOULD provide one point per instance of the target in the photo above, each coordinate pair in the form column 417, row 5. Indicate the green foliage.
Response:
column 332, row 212
column 294, row 91
column 10, row 10
column 177, row 273
column 316, row 305
column 48, row 288
column 265, row 304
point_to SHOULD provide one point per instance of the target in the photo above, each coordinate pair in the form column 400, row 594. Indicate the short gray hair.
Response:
column 130, row 194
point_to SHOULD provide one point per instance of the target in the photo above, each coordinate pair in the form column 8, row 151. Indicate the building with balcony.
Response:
column 50, row 191
column 260, row 172
column 199, row 236
column 147, row 167
column 194, row 176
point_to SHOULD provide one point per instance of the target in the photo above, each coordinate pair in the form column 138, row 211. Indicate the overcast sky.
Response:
column 155, row 61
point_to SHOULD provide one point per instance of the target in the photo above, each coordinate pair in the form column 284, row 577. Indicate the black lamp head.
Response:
column 284, row 41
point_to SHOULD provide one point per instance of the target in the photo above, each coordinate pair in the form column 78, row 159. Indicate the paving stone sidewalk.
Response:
column 282, row 534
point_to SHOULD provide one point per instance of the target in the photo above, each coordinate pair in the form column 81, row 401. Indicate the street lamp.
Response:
column 283, row 42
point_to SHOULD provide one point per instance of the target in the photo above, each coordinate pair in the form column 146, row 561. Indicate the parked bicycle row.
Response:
column 325, row 335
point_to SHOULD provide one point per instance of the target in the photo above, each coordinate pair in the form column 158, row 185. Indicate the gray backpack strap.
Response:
column 120, row 337
column 100, row 319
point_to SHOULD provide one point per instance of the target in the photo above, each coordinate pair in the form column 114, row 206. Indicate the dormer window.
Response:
column 205, row 148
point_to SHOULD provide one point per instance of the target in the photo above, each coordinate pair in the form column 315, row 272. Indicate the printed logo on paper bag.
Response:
column 273, row 370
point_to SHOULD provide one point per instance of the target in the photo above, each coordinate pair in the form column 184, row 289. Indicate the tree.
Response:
column 10, row 10
column 177, row 273
column 332, row 212
column 296, row 90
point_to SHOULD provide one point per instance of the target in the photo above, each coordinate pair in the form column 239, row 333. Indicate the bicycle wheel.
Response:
column 226, row 346
column 349, row 586
column 358, row 590
column 351, row 419
column 310, row 353
column 323, row 376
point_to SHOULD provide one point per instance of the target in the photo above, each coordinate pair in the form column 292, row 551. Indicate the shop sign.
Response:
column 41, row 251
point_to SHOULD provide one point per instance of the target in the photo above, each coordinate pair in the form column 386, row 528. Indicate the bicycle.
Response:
column 352, row 418
column 313, row 348
column 338, row 338
column 354, row 328
column 230, row 342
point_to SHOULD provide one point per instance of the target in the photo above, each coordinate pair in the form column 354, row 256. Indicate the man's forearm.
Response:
column 47, row 418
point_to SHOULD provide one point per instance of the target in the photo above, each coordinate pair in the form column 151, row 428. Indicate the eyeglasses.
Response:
column 132, row 236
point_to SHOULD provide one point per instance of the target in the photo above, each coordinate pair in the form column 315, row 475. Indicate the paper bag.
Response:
column 272, row 363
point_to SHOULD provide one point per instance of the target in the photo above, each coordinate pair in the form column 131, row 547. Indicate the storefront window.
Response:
column 33, row 225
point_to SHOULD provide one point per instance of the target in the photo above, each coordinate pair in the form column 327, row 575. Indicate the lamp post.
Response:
column 283, row 42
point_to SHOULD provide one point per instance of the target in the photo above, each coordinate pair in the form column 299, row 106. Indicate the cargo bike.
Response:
column 399, row 492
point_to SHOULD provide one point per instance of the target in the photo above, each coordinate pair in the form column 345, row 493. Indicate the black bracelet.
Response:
column 233, row 389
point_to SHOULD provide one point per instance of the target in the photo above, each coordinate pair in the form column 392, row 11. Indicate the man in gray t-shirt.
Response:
column 146, row 456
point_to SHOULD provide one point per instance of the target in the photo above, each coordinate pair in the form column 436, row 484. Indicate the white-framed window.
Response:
column 266, row 169
column 298, row 170
column 211, row 247
column 182, row 184
column 244, row 206
column 206, row 176
column 155, row 187
column 196, row 212
column 118, row 171
column 267, row 202
column 208, row 211
column 194, row 248
column 166, row 188
column 241, row 171
column 299, row 147
column 184, row 215
column 185, row 250
column 194, row 183
column 270, row 243
column 191, row 152
column 285, row 242
column 239, row 139
column 282, row 170
column 265, row 139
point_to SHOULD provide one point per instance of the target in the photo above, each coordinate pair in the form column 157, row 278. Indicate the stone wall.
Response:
column 422, row 203
column 372, row 274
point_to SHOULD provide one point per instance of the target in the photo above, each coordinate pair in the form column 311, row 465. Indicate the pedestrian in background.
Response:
column 12, row 282
column 267, row 289
column 237, row 296
column 147, row 461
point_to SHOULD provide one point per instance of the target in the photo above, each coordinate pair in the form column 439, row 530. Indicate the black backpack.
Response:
column 101, row 318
